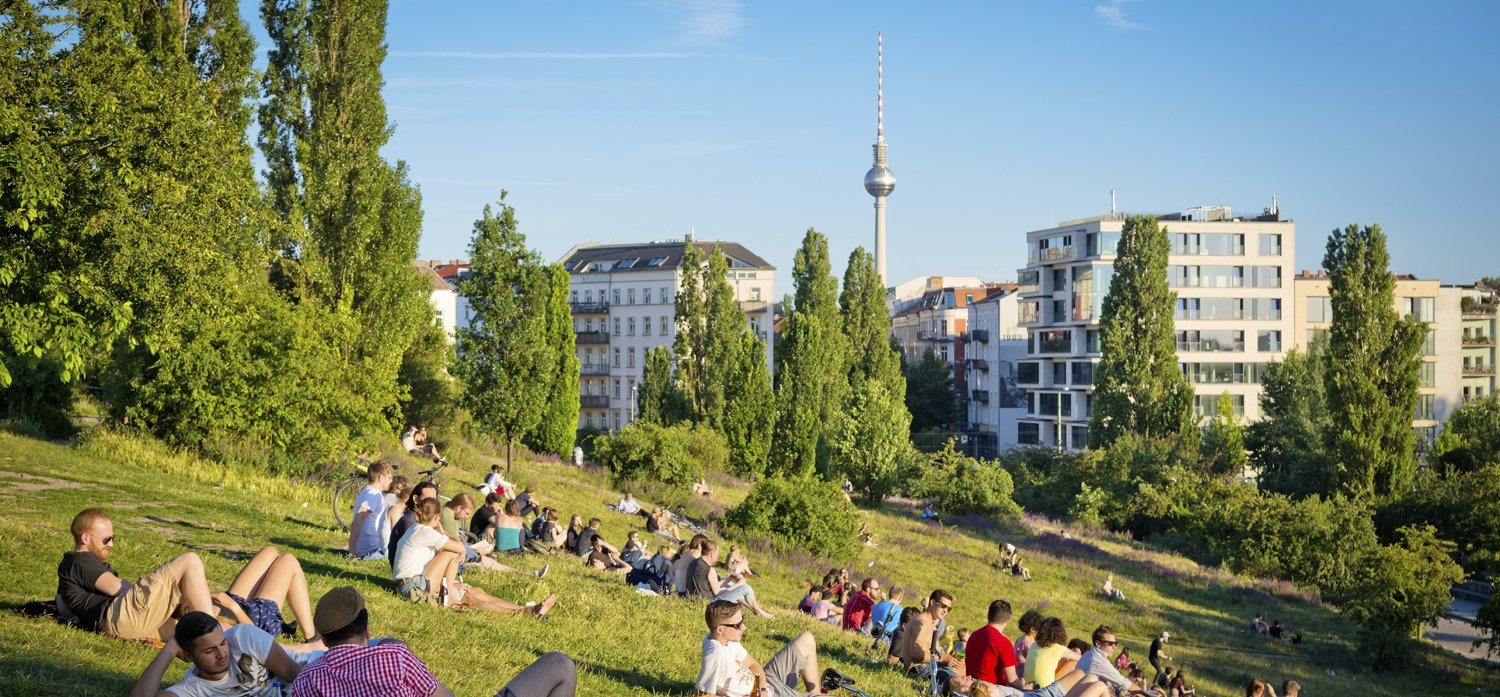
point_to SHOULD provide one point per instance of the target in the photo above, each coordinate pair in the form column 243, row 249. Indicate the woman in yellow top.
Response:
column 1051, row 647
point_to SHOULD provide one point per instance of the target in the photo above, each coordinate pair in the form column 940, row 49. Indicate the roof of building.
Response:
column 933, row 299
column 447, row 270
column 1321, row 275
column 432, row 277
column 998, row 291
column 652, row 256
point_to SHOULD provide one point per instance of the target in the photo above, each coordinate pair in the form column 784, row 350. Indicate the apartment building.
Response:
column 938, row 319
column 996, row 347
column 444, row 300
column 1233, row 313
column 1458, row 357
column 623, row 300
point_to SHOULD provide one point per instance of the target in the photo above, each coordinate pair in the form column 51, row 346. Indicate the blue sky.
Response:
column 752, row 121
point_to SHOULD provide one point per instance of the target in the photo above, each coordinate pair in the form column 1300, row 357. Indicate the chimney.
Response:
column 688, row 238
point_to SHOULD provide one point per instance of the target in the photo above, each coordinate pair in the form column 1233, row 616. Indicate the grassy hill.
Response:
column 624, row 643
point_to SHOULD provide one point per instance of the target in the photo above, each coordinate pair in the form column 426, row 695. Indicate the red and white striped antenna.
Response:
column 879, row 88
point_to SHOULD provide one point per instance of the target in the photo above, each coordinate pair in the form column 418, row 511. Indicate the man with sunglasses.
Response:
column 728, row 670
column 1097, row 662
column 89, row 590
column 916, row 642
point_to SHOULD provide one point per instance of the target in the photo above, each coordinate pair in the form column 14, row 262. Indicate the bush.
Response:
column 960, row 485
column 672, row 455
column 808, row 513
column 1401, row 587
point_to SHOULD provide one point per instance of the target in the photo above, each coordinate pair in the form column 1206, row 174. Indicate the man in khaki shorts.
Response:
column 89, row 590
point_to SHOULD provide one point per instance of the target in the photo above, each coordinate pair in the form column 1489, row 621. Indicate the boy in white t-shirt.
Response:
column 242, row 660
column 728, row 670
column 369, row 514
column 427, row 562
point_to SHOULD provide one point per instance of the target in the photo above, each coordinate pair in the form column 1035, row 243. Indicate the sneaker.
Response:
column 543, row 572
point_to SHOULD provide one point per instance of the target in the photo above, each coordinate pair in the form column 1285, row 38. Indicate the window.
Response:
column 1206, row 276
column 646, row 293
column 665, row 297
column 1429, row 345
column 1428, row 374
column 616, row 382
column 1210, row 340
column 1029, row 433
column 1079, row 436
column 617, row 326
column 1222, row 373
column 1426, row 407
column 1419, row 309
column 1054, row 248
column 1083, row 373
column 1205, row 405
column 1059, row 280
column 573, row 297
column 630, row 357
column 1054, row 403
column 1029, row 373
column 617, row 296
column 1320, row 308
column 630, row 330
column 1265, row 276
column 645, row 326
column 755, row 294
column 588, row 325
column 1055, row 341
column 630, row 296
column 1059, row 311
column 1209, row 244
column 588, row 297
column 617, row 357
column 1270, row 245
column 656, row 261
column 664, row 326
column 943, row 352
column 617, row 419
column 1229, row 308
column 1059, row 373
column 1027, row 312
column 1268, row 340
column 1030, row 281
column 1102, row 243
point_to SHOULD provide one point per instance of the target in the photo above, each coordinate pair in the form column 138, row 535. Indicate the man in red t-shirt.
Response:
column 857, row 610
column 989, row 655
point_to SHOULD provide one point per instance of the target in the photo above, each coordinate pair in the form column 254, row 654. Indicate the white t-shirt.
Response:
column 370, row 537
column 724, row 671
column 417, row 547
column 249, row 647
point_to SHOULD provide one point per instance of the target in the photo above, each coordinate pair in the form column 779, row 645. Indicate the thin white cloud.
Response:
column 1113, row 14
column 545, row 55
column 705, row 22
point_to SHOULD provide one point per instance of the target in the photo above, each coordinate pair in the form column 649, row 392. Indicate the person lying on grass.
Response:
column 1074, row 684
column 427, row 564
column 271, row 579
column 367, row 536
column 354, row 667
column 703, row 582
column 242, row 660
column 89, row 590
column 728, row 670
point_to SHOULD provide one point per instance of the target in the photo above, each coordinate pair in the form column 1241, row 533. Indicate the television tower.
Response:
column 880, row 181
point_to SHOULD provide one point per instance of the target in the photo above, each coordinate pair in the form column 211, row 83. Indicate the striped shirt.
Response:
column 348, row 670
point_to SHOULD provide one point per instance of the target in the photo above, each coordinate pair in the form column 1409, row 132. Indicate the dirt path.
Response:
column 1454, row 633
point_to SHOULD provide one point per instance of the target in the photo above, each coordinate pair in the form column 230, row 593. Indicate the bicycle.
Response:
column 834, row 680
column 348, row 490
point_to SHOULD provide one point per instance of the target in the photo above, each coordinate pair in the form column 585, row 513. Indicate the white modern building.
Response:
column 1233, row 314
column 623, row 299
column 996, row 347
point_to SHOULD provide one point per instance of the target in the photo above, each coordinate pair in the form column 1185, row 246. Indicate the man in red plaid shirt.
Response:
column 352, row 667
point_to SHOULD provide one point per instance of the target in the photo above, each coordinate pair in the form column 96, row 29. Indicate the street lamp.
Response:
column 633, row 388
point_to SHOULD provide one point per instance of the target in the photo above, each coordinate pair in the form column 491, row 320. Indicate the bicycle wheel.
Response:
column 343, row 500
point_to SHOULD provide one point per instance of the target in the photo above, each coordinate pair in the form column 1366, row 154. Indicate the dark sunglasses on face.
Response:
column 109, row 540
column 1108, row 643
column 739, row 625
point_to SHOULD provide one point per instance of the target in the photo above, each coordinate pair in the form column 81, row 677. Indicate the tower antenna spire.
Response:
column 879, row 87
column 880, row 181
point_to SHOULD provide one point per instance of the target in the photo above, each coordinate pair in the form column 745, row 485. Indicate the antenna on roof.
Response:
column 1111, row 203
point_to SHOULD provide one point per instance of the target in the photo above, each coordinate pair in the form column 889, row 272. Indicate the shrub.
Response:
column 708, row 447
column 960, row 485
column 808, row 513
column 1401, row 587
column 647, row 452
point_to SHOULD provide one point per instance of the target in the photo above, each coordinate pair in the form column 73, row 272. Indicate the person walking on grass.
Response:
column 728, row 670
column 89, row 590
column 354, row 667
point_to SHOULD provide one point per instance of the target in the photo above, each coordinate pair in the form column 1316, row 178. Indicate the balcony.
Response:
column 981, row 396
column 979, row 364
column 587, row 308
column 1056, row 253
column 593, row 400
column 929, row 335
column 1479, row 312
column 593, row 369
column 980, row 335
column 1479, row 371
column 754, row 305
column 1474, row 341
column 592, row 338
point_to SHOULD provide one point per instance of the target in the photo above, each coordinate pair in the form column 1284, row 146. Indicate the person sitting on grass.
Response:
column 1139, row 686
column 89, row 590
column 989, row 656
column 857, row 611
column 686, row 555
column 627, row 505
column 255, row 597
column 886, row 615
column 1074, row 684
column 427, row 565
column 1291, row 688
column 353, row 666
column 423, row 491
column 1122, row 661
column 1027, row 626
column 960, row 644
column 1049, row 650
column 1259, row 688
column 241, row 660
column 552, row 535
column 575, row 530
column 526, row 501
column 584, row 543
column 1109, row 589
column 1178, row 687
column 703, row 582
column 660, row 523
column 633, row 551
column 415, row 442
column 737, row 563
column 510, row 527
column 728, row 669
column 820, row 609
column 1275, row 632
column 654, row 574
column 369, row 528
column 1096, row 662
column 459, row 508
column 893, row 654
column 604, row 557
column 700, row 487
column 917, row 640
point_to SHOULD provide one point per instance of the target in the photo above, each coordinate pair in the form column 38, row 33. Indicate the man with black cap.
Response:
column 352, row 667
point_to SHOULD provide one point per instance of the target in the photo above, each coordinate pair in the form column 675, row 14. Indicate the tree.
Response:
column 431, row 393
column 1403, row 587
column 658, row 400
column 1224, row 440
column 873, row 439
column 812, row 382
column 350, row 221
column 1138, row 385
column 1286, row 445
column 504, row 358
column 750, row 406
column 689, row 343
column 556, row 430
column 867, row 324
column 1371, row 369
column 1471, row 437
column 930, row 396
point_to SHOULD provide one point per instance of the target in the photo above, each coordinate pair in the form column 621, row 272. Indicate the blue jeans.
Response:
column 737, row 593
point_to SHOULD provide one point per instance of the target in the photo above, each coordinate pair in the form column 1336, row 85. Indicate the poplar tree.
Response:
column 874, row 432
column 1371, row 369
column 750, row 405
column 558, row 427
column 504, row 358
column 1286, row 444
column 709, row 322
column 1138, row 385
column 1223, row 445
column 867, row 324
column 813, row 379
column 658, row 400
column 688, row 344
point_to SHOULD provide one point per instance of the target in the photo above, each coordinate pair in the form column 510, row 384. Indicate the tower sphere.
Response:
column 880, row 181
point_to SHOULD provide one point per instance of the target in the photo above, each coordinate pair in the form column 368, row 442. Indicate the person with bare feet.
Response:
column 427, row 566
column 660, row 523
column 241, row 660
column 353, row 666
column 258, row 593
column 703, row 582
column 728, row 669
column 1074, row 684
column 89, row 590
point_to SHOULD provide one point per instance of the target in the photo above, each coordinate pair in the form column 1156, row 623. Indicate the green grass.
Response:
column 164, row 504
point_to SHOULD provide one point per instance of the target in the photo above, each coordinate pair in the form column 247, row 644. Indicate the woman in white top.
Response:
column 427, row 562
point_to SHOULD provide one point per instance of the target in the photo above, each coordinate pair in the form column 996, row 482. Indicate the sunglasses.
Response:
column 739, row 625
column 109, row 540
column 1108, row 643
column 945, row 606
